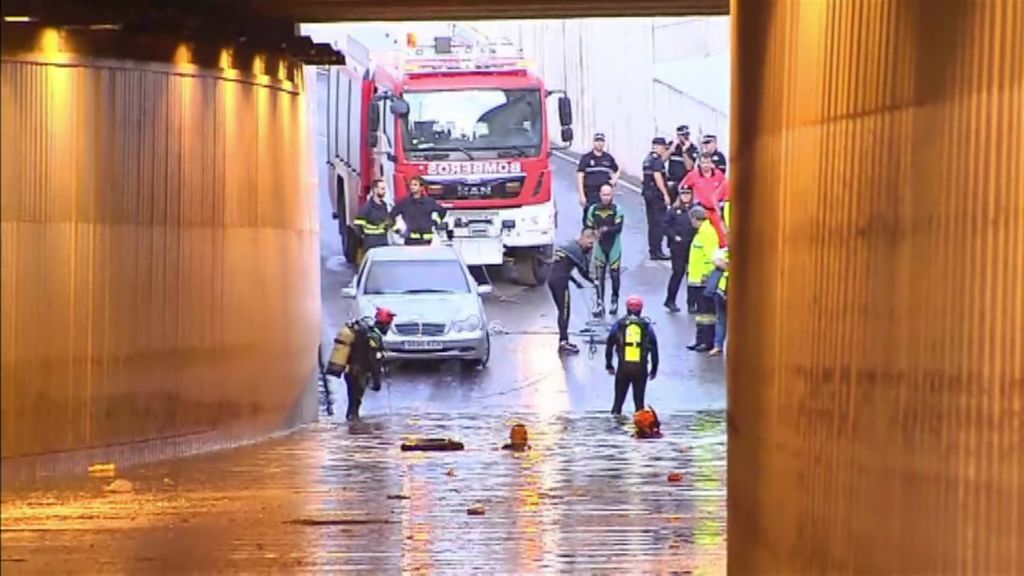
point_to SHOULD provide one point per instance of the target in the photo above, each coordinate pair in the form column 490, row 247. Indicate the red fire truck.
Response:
column 468, row 116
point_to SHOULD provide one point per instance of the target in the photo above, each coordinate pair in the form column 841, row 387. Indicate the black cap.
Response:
column 599, row 136
column 710, row 138
column 659, row 141
column 683, row 129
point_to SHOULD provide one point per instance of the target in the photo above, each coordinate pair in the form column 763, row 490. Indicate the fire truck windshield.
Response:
column 473, row 122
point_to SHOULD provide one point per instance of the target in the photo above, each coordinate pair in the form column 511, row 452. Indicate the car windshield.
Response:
column 473, row 120
column 416, row 277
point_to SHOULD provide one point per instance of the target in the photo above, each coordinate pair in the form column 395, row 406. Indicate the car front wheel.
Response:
column 482, row 362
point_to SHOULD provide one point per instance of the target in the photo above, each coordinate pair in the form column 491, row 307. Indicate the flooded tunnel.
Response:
column 161, row 276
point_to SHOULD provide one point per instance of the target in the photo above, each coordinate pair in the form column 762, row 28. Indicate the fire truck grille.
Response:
column 508, row 188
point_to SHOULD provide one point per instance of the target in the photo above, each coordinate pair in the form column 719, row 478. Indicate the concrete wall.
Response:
column 160, row 283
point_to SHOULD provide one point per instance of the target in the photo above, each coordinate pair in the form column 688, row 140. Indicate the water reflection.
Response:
column 588, row 497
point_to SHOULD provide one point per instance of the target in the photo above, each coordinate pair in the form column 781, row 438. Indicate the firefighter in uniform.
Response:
column 605, row 219
column 633, row 338
column 721, row 262
column 372, row 222
column 571, row 256
column 682, row 158
column 366, row 359
column 656, row 198
column 596, row 168
column 698, row 269
column 421, row 214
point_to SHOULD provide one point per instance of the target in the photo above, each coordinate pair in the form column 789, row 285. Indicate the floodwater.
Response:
column 587, row 497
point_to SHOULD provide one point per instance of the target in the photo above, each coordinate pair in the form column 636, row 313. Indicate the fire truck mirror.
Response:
column 565, row 112
column 567, row 134
column 373, row 116
column 400, row 108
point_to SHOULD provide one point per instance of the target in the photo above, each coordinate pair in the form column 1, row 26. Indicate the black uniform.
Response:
column 421, row 215
column 678, row 225
column 597, row 171
column 677, row 166
column 655, row 203
column 372, row 224
column 364, row 366
column 568, row 257
column 718, row 159
column 633, row 337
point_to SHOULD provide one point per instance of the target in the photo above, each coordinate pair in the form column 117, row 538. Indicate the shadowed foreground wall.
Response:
column 160, row 271
column 877, row 364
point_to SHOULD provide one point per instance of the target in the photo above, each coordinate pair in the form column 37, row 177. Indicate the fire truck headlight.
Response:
column 469, row 324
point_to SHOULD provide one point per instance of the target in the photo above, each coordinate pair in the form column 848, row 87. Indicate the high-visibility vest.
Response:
column 702, row 251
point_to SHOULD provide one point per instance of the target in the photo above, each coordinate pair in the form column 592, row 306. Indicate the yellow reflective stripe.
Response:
column 419, row 235
column 435, row 217
column 704, row 319
column 632, row 343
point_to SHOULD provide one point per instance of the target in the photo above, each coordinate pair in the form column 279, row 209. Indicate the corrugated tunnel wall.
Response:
column 877, row 299
column 160, row 270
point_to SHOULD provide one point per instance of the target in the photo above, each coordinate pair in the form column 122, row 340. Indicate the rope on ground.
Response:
column 494, row 288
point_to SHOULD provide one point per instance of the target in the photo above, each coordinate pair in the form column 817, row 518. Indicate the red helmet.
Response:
column 384, row 316
column 634, row 304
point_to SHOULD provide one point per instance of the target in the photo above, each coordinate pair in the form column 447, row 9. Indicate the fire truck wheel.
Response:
column 531, row 268
column 351, row 245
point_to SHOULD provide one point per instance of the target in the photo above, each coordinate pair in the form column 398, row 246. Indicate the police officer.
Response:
column 373, row 219
column 711, row 147
column 680, row 232
column 656, row 198
column 421, row 214
column 633, row 338
column 605, row 219
column 572, row 255
column 366, row 360
column 682, row 157
column 596, row 168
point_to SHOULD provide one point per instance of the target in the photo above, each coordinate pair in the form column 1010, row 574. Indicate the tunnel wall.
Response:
column 160, row 279
column 876, row 370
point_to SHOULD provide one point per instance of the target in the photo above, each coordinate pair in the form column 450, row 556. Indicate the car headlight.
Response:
column 467, row 324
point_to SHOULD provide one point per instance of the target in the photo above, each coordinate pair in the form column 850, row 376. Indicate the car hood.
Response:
column 422, row 307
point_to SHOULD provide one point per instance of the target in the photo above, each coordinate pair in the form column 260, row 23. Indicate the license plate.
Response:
column 423, row 345
column 478, row 231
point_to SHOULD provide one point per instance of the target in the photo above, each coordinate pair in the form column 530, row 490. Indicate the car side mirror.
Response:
column 348, row 292
column 484, row 289
column 400, row 108
column 567, row 134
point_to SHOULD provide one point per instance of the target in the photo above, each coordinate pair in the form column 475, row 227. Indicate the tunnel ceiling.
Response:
column 262, row 14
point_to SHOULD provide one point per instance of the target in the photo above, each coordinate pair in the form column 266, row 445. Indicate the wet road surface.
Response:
column 334, row 497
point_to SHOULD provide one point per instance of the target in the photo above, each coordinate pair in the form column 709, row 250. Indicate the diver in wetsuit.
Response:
column 605, row 218
column 570, row 256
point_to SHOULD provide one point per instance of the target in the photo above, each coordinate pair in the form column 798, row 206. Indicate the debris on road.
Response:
column 451, row 472
column 675, row 477
column 432, row 445
column 119, row 486
column 102, row 470
column 476, row 510
column 398, row 497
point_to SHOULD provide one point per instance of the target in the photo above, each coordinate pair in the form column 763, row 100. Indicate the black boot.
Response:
column 614, row 309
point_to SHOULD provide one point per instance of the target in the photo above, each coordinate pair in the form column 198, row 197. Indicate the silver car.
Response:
column 439, row 313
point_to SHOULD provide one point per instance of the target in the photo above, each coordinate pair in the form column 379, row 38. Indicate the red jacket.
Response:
column 709, row 191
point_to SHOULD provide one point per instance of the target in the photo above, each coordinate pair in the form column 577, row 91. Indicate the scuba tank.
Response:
column 343, row 342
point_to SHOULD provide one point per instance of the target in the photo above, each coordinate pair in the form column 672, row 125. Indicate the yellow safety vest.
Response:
column 725, row 212
column 723, row 282
column 702, row 252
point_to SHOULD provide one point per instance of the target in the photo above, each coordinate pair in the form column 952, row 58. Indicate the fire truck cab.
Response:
column 468, row 116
